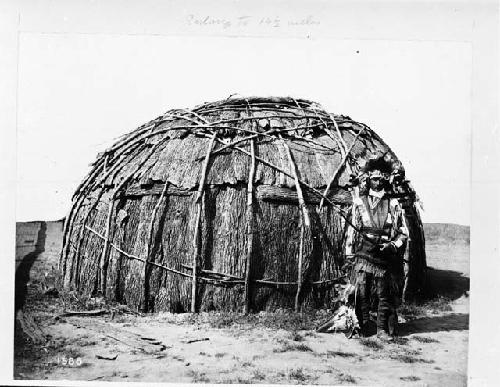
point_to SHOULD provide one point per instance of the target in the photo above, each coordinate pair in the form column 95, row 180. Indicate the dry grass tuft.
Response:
column 198, row 377
column 296, row 336
column 178, row 358
column 404, row 358
column 258, row 375
column 410, row 378
column 371, row 343
column 299, row 375
column 400, row 340
column 424, row 339
column 340, row 354
column 346, row 378
column 411, row 311
column 288, row 346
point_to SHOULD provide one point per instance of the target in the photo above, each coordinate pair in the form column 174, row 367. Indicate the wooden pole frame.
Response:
column 304, row 221
column 150, row 240
column 76, row 264
column 103, row 261
column 339, row 167
column 250, row 227
column 200, row 201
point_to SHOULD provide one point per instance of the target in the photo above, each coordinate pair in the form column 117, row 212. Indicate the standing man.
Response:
column 377, row 246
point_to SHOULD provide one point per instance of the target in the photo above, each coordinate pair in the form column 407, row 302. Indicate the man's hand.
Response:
column 387, row 248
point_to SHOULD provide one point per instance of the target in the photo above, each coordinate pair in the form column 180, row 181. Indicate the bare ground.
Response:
column 280, row 347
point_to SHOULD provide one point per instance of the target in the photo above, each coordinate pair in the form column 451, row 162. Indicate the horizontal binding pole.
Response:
column 263, row 192
column 273, row 193
column 130, row 256
column 156, row 189
column 233, row 281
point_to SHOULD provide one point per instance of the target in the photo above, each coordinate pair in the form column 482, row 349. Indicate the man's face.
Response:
column 376, row 181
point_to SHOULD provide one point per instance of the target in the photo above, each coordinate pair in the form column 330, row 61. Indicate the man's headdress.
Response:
column 378, row 166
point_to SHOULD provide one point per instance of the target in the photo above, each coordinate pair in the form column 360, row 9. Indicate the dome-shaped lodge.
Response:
column 238, row 205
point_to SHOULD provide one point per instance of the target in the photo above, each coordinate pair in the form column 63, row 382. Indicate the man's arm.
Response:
column 400, row 230
column 352, row 234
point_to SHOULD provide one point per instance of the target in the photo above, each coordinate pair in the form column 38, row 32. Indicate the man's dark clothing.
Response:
column 381, row 220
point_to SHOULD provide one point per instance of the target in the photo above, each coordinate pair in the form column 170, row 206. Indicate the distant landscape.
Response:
column 441, row 232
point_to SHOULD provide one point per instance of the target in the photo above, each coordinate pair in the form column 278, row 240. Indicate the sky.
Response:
column 78, row 92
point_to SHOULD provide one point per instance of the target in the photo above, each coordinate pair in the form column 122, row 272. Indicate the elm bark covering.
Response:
column 170, row 150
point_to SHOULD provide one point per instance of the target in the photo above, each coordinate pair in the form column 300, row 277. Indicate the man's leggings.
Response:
column 381, row 285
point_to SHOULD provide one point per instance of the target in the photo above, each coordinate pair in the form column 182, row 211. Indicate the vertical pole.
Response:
column 304, row 220
column 200, row 199
column 299, row 264
column 196, row 247
column 148, row 246
column 250, row 227
column 103, row 262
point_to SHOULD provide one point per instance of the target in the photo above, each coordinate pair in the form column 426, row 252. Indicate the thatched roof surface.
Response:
column 173, row 146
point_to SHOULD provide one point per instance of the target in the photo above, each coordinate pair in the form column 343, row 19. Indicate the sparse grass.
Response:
column 340, row 354
column 371, row 343
column 400, row 340
column 198, row 377
column 288, row 346
column 343, row 377
column 411, row 311
column 404, row 358
column 412, row 352
column 303, row 348
column 424, row 339
column 84, row 342
column 178, row 358
column 439, row 304
column 223, row 320
column 74, row 301
column 298, row 374
column 296, row 336
column 258, row 375
column 410, row 378
column 281, row 319
column 71, row 352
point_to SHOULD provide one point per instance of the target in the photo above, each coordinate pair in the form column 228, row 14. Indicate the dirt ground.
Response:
column 280, row 347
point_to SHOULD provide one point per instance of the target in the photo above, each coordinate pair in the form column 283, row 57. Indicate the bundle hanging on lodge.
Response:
column 237, row 205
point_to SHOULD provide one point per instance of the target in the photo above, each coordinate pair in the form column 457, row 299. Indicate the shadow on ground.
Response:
column 23, row 270
column 450, row 322
column 443, row 287
column 446, row 283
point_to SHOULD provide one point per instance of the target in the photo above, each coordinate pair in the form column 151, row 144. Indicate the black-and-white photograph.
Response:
column 256, row 194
